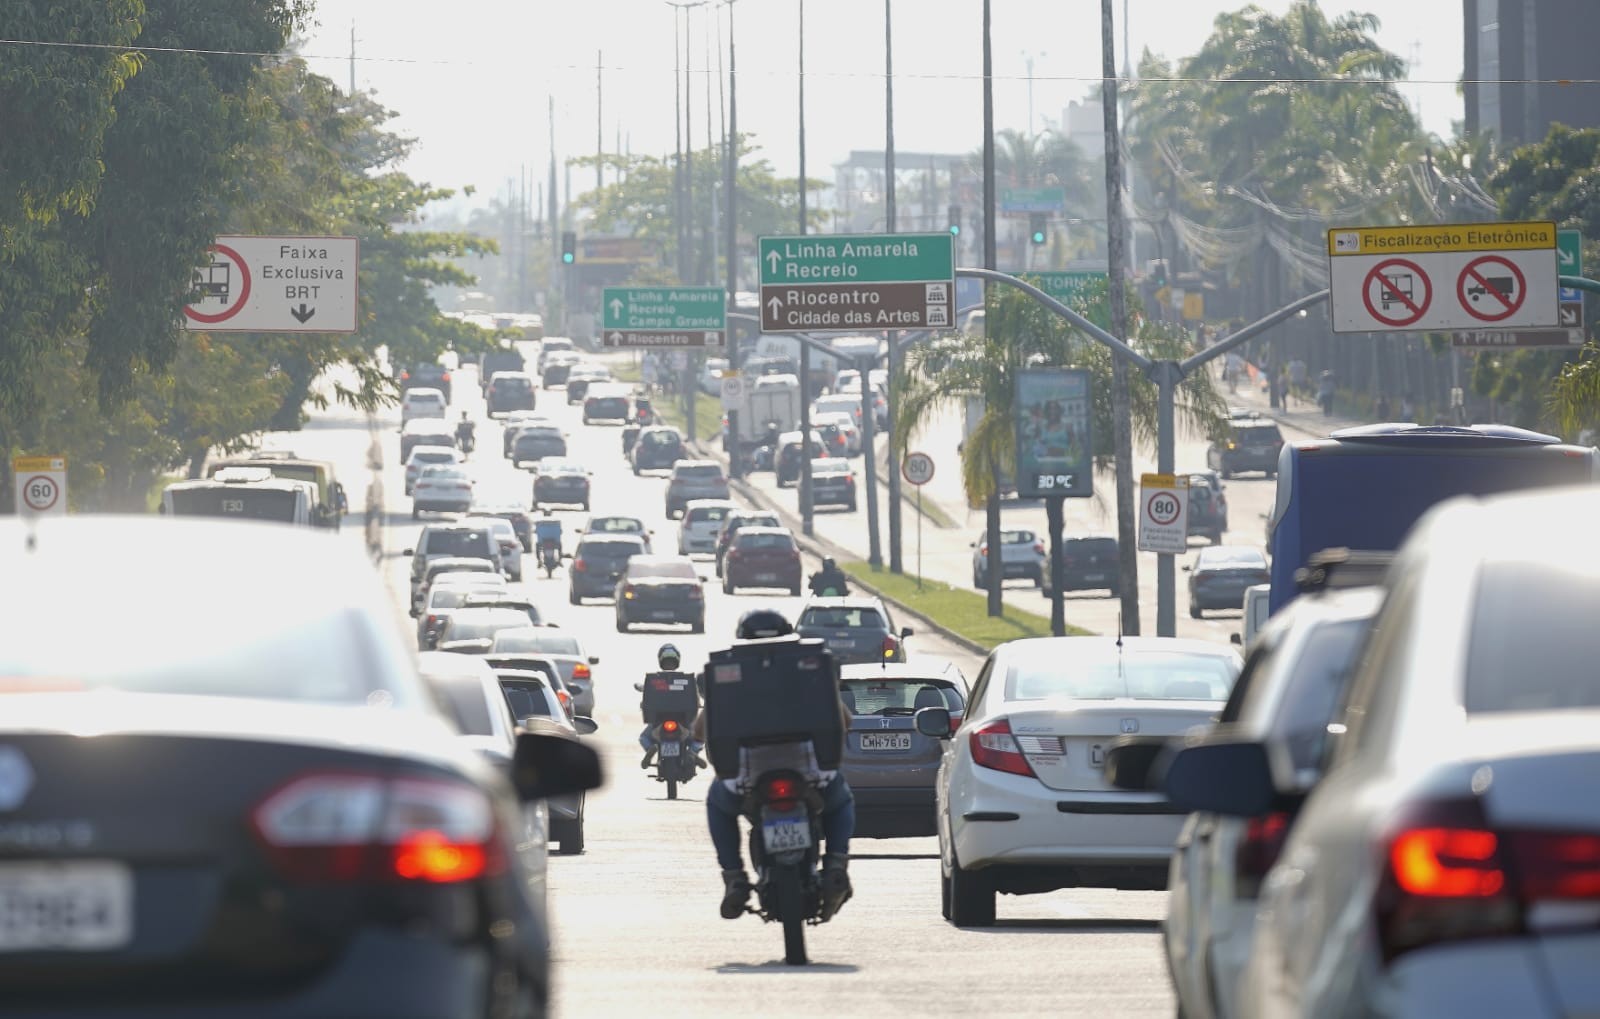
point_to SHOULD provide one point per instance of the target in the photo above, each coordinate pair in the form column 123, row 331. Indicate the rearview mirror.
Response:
column 1130, row 761
column 594, row 659
column 934, row 722
column 1223, row 776
column 545, row 764
column 585, row 725
column 906, row 631
column 1234, row 638
column 409, row 551
column 1187, row 567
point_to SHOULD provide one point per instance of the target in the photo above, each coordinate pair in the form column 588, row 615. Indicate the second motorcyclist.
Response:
column 466, row 433
column 667, row 661
column 830, row 580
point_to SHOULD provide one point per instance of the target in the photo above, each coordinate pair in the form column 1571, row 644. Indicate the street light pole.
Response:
column 806, row 523
column 894, row 366
column 731, row 225
column 991, row 509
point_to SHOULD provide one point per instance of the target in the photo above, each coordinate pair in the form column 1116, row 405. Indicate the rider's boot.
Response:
column 735, row 893
column 835, row 883
column 649, row 755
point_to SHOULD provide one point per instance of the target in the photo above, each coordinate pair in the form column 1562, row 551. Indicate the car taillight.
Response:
column 356, row 827
column 695, row 594
column 404, row 376
column 431, row 622
column 580, row 671
column 733, row 553
column 446, row 377
column 993, row 747
column 782, row 793
column 579, row 565
column 850, row 480
column 983, row 549
column 566, row 701
column 1258, row 851
column 1038, row 548
column 890, row 646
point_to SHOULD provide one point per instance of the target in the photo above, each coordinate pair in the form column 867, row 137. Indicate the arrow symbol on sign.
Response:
column 776, row 306
column 773, row 259
column 302, row 314
column 1568, row 257
column 616, row 306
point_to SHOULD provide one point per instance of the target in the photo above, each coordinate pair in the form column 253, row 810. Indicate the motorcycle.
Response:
column 785, row 815
column 547, row 538
column 466, row 439
column 675, row 759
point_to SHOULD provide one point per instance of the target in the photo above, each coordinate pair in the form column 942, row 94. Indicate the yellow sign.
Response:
column 25, row 464
column 1421, row 240
column 1161, row 480
column 1194, row 307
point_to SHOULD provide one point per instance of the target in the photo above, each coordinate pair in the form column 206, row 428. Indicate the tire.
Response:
column 944, row 896
column 572, row 597
column 415, row 513
column 977, row 581
column 672, row 788
column 852, row 507
column 586, row 505
column 698, row 626
column 794, row 590
column 1116, row 592
column 622, row 625
column 1195, row 612
column 971, row 897
column 1226, row 474
column 569, row 838
column 791, row 907
column 727, row 585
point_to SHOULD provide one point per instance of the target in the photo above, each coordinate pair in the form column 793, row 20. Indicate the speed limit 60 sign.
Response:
column 1163, row 513
column 41, row 485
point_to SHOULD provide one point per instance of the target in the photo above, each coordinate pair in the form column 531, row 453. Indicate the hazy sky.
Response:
column 469, row 78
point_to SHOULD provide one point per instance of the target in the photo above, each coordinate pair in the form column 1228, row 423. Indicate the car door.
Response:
column 950, row 759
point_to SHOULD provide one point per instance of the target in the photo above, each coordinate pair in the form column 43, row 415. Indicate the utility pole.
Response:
column 558, row 275
column 1127, row 540
column 352, row 56
column 688, row 167
column 599, row 122
column 991, row 509
column 806, row 521
column 731, row 224
column 893, row 370
column 677, row 133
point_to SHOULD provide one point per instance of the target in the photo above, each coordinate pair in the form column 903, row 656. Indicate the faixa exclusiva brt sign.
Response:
column 259, row 284
column 848, row 282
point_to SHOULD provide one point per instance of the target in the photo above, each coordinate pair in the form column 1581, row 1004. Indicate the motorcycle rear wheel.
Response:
column 791, row 907
column 672, row 788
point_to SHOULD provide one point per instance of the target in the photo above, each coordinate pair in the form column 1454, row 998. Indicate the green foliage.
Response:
column 955, row 609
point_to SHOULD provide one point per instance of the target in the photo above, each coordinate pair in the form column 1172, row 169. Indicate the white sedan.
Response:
column 1023, row 804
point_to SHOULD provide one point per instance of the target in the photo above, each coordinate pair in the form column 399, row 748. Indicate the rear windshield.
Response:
column 525, row 698
column 487, row 600
column 833, row 465
column 423, row 454
column 668, row 570
column 1017, row 538
column 835, row 617
column 609, row 548
column 1232, row 557
column 1261, row 435
column 898, row 696
column 746, row 540
column 475, row 543
column 448, row 597
column 1091, row 546
column 477, row 624
column 463, row 698
column 701, row 472
column 552, row 643
column 662, row 439
column 1534, row 642
column 421, row 396
column 703, row 513
column 616, row 525
column 1143, row 675
column 444, row 474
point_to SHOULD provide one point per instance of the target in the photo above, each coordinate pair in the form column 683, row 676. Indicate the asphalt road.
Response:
column 635, row 917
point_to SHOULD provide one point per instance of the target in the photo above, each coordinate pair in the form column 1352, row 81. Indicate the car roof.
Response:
column 696, row 463
column 1107, row 644
column 846, row 601
column 758, row 531
column 726, row 503
column 424, row 392
column 904, row 671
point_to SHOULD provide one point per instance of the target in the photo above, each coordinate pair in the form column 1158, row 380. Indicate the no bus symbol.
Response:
column 1163, row 508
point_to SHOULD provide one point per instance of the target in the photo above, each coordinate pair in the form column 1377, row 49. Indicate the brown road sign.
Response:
column 666, row 338
column 857, row 306
column 1492, row 339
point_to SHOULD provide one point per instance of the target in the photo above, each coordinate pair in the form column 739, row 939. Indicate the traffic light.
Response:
column 955, row 221
column 569, row 247
column 1158, row 272
column 1036, row 227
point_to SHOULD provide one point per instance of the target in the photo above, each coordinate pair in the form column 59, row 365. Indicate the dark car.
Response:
column 890, row 766
column 1208, row 507
column 855, row 629
column 607, row 404
column 535, row 442
column 499, row 361
column 737, row 519
column 509, row 391
column 786, row 462
column 1251, row 444
column 833, row 483
column 659, row 590
column 472, row 630
column 598, row 563
column 426, row 376
column 657, row 448
column 762, row 557
column 262, row 818
column 555, row 373
column 561, row 483
column 1089, row 562
column 1220, row 574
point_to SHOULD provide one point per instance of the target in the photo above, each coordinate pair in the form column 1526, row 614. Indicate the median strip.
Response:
column 959, row 611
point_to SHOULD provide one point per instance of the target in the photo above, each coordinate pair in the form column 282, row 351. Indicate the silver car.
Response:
column 891, row 766
column 561, row 647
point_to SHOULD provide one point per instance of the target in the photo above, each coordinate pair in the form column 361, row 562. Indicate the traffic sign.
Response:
column 1569, row 260
column 1033, row 199
column 277, row 285
column 857, row 282
column 1164, row 513
column 1449, row 277
column 664, row 316
column 732, row 391
column 917, row 468
column 1066, row 287
column 41, row 485
column 1491, row 339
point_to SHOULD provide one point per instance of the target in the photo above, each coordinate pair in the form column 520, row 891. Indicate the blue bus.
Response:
column 1363, row 488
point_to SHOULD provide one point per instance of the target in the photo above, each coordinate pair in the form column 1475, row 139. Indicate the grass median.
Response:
column 960, row 611
column 707, row 409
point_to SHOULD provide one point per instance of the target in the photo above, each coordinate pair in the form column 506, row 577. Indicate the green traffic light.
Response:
column 955, row 230
column 1038, row 237
column 566, row 256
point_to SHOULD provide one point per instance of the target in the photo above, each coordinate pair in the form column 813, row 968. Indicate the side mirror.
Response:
column 1187, row 568
column 594, row 659
column 1234, row 638
column 934, row 722
column 415, row 612
column 906, row 631
column 545, row 764
column 1232, row 777
column 1131, row 760
column 409, row 551
column 639, row 687
column 585, row 725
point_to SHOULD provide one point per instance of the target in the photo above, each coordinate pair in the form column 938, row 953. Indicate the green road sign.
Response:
column 1066, row 287
column 1569, row 252
column 856, row 282
column 1033, row 199
column 663, row 316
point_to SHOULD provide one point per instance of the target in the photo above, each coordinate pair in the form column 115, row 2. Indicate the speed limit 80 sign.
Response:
column 1163, row 513
column 40, row 484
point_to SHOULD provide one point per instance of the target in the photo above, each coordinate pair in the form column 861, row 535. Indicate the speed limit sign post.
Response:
column 917, row 469
column 40, row 483
column 1164, row 513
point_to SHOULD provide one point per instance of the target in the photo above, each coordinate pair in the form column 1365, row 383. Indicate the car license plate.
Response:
column 661, row 614
column 80, row 906
column 671, row 749
column 1094, row 576
column 785, row 834
column 886, row 741
column 767, row 576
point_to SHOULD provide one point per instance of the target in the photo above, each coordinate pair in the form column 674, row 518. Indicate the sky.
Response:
column 471, row 79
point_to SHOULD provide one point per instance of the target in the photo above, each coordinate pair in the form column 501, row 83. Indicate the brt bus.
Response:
column 1363, row 488
column 242, row 493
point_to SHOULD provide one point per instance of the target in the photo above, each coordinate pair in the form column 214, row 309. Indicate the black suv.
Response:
column 1088, row 563
column 426, row 376
column 1208, row 507
column 657, row 448
column 1251, row 444
column 509, row 391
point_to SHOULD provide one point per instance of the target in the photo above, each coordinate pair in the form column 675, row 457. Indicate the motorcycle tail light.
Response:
column 669, row 727
column 782, row 793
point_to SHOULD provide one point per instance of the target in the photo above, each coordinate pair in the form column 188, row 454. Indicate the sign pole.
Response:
column 919, row 537
column 1055, row 517
column 1167, row 378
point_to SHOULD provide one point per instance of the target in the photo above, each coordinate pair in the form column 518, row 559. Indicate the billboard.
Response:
column 1053, row 433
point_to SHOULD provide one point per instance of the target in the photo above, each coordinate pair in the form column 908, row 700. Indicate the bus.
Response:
column 329, row 504
column 1362, row 488
column 242, row 493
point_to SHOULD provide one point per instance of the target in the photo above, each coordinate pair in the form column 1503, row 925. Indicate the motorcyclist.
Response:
column 465, row 429
column 723, row 800
column 667, row 660
column 830, row 580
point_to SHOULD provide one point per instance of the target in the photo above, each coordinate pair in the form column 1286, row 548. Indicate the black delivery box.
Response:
column 774, row 691
column 670, row 695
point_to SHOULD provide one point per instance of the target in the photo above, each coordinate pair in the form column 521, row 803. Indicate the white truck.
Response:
column 775, row 403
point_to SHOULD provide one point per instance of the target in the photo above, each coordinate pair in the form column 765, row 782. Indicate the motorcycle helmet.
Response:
column 668, row 658
column 828, row 564
column 762, row 624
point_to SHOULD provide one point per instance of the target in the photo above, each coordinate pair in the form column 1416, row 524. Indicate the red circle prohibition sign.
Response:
column 243, row 289
column 27, row 489
column 1150, row 508
column 1487, row 297
column 1397, row 302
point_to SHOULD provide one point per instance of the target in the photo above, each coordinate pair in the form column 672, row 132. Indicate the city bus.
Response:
column 1362, row 488
column 242, row 493
column 329, row 503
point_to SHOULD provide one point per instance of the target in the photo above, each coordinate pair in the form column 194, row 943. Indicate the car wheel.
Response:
column 622, row 625
column 1226, row 474
column 977, row 579
column 636, row 470
column 569, row 837
column 586, row 505
column 944, row 896
column 794, row 590
column 698, row 626
column 1195, row 612
column 852, row 506
column 415, row 513
column 727, row 585
column 971, row 897
column 573, row 597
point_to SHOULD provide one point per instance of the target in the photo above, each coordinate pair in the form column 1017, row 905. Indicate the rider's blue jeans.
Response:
column 722, row 817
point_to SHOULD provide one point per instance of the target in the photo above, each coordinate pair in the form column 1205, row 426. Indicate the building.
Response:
column 1509, row 42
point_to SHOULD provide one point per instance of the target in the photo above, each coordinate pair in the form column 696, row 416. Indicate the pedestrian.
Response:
column 1408, row 410
column 1275, row 389
column 1383, row 407
column 1325, row 392
column 1299, row 382
column 1232, row 368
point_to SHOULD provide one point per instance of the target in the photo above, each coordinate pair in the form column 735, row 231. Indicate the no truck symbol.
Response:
column 1491, row 288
